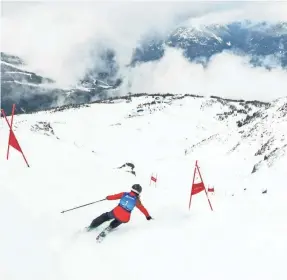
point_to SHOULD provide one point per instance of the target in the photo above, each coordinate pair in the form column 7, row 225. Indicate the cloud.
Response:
column 253, row 10
column 227, row 75
column 61, row 40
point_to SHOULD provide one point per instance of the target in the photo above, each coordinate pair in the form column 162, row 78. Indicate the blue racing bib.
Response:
column 128, row 202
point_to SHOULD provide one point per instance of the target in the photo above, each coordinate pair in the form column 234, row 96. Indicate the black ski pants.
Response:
column 104, row 218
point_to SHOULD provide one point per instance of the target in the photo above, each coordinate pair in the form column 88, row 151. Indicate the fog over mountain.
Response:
column 60, row 53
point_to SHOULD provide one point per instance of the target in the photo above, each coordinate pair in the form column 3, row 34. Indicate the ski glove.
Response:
column 148, row 217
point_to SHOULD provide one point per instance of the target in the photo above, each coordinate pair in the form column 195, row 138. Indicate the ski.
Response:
column 88, row 229
column 103, row 234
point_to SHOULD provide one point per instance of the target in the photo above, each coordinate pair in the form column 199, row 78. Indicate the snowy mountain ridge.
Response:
column 200, row 41
column 31, row 91
column 263, row 43
column 259, row 126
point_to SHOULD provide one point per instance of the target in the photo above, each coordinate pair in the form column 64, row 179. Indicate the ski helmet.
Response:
column 137, row 188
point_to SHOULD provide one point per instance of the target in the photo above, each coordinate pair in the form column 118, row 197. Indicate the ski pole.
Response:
column 83, row 205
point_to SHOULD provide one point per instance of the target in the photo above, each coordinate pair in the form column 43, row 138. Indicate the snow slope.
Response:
column 74, row 155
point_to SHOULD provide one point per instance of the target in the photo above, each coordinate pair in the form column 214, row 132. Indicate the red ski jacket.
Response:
column 120, row 213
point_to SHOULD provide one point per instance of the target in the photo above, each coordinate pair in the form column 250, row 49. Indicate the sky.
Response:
column 63, row 39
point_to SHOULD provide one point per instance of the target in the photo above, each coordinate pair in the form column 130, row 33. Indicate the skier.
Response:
column 121, row 213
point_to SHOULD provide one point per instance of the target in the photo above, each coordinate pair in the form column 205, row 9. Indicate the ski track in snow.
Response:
column 244, row 238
